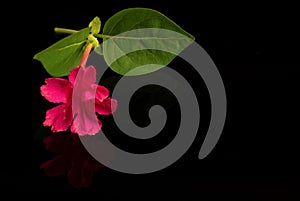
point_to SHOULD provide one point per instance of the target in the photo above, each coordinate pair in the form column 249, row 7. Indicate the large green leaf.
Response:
column 142, row 40
column 64, row 55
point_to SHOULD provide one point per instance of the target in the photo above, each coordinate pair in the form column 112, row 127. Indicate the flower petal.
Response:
column 56, row 90
column 83, row 103
column 59, row 117
column 86, row 124
column 84, row 87
column 73, row 74
column 101, row 93
column 88, row 93
column 90, row 74
column 106, row 107
column 86, row 76
column 86, row 121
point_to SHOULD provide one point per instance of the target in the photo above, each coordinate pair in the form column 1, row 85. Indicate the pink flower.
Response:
column 80, row 99
column 72, row 159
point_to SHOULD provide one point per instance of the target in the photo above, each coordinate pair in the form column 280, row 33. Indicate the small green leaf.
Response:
column 142, row 41
column 95, row 25
column 64, row 55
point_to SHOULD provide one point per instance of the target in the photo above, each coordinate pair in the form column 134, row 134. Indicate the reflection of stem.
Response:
column 85, row 55
column 71, row 31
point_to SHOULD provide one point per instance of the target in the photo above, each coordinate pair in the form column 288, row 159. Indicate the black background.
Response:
column 255, row 49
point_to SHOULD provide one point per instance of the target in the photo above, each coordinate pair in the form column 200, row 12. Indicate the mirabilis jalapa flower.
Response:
column 80, row 98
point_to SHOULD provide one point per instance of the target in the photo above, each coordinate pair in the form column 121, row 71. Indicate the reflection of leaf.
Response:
column 140, row 37
column 64, row 55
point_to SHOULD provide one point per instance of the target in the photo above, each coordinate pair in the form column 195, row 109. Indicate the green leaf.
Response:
column 142, row 41
column 64, row 55
column 99, row 50
column 95, row 25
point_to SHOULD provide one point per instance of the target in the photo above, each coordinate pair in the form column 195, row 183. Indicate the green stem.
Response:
column 71, row 31
column 102, row 36
column 65, row 31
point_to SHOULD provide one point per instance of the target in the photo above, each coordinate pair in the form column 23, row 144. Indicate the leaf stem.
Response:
column 65, row 31
column 102, row 36
column 71, row 31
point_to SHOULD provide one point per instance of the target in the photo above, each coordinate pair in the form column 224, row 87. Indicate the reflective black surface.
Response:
column 255, row 50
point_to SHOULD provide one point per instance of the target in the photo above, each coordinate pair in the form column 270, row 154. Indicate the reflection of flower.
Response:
column 87, row 98
column 72, row 160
